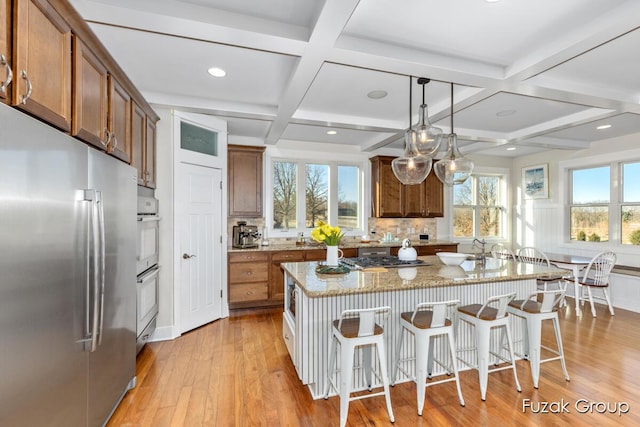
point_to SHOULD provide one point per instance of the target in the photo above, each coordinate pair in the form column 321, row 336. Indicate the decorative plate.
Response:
column 325, row 269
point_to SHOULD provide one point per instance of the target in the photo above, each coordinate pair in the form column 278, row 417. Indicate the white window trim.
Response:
column 506, row 196
column 327, row 157
column 565, row 168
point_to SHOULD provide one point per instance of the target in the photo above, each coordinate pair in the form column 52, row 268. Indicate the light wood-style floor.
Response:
column 237, row 372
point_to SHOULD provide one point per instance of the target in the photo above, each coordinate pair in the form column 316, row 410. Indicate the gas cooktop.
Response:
column 379, row 261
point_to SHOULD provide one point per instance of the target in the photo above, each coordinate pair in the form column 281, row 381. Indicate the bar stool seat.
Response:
column 534, row 312
column 358, row 329
column 427, row 321
column 485, row 317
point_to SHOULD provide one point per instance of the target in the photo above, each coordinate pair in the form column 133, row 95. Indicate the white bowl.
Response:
column 451, row 258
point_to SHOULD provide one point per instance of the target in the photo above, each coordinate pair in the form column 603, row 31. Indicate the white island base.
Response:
column 307, row 321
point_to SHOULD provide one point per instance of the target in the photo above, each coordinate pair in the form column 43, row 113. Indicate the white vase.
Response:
column 333, row 255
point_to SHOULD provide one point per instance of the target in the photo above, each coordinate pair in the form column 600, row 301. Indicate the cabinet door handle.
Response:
column 29, row 88
column 3, row 61
column 187, row 256
column 107, row 136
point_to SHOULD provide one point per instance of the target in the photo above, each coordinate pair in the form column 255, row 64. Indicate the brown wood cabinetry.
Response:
column 430, row 249
column 276, row 280
column 391, row 199
column 257, row 280
column 245, row 181
column 90, row 103
column 5, row 50
column 248, row 279
column 143, row 146
column 150, row 153
column 119, row 122
column 42, row 63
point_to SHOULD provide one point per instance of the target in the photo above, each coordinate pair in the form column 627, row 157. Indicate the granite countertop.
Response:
column 432, row 274
column 349, row 244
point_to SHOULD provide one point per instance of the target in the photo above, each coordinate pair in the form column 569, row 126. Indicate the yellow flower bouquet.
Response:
column 325, row 233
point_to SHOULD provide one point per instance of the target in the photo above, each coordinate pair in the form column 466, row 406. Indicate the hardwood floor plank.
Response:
column 237, row 372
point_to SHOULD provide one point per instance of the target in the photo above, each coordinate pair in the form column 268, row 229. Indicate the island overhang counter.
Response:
column 313, row 301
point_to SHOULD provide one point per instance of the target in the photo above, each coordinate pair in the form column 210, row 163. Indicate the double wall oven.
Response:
column 147, row 268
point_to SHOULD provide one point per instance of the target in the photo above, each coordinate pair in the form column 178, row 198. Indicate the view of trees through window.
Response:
column 590, row 197
column 478, row 209
column 630, row 210
column 317, row 194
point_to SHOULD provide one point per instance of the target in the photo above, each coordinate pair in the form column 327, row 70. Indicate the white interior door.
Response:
column 199, row 196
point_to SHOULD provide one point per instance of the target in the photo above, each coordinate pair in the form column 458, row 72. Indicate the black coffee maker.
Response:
column 245, row 236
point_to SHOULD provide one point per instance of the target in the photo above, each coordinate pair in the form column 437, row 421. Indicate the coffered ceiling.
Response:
column 529, row 75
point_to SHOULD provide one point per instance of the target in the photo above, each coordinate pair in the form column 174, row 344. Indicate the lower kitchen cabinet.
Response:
column 248, row 279
column 431, row 249
column 257, row 280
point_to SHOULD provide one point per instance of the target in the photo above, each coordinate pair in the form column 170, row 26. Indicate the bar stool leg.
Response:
column 534, row 332
column 422, row 342
column 454, row 364
column 367, row 360
column 556, row 327
column 382, row 356
column 430, row 359
column 394, row 376
column 332, row 365
column 346, row 372
column 513, row 356
column 483, row 337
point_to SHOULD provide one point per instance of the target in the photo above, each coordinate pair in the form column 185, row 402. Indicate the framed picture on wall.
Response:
column 535, row 182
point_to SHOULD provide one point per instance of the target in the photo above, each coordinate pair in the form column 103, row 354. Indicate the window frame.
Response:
column 614, row 159
column 333, row 194
column 504, row 177
column 572, row 205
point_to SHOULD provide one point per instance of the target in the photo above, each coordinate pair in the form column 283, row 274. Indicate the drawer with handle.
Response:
column 249, row 272
column 248, row 292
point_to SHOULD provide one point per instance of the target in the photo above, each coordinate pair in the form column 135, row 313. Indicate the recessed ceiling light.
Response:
column 377, row 94
column 601, row 127
column 331, row 132
column 217, row 72
column 492, row 1
column 505, row 113
column 511, row 148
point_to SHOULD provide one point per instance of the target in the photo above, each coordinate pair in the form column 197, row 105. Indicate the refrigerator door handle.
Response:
column 94, row 290
column 102, row 257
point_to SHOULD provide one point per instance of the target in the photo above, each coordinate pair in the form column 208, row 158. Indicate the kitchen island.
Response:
column 313, row 300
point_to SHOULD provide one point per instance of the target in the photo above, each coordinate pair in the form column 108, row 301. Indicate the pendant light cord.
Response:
column 410, row 102
column 451, row 107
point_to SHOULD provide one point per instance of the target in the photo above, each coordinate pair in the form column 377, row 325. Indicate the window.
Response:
column 589, row 207
column 332, row 194
column 630, row 207
column 479, row 207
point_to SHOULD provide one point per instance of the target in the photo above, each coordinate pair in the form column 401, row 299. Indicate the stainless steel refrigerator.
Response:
column 67, row 277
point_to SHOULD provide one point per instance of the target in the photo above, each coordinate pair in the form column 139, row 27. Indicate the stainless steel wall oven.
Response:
column 147, row 269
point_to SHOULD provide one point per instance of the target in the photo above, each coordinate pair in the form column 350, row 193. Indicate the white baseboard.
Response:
column 165, row 333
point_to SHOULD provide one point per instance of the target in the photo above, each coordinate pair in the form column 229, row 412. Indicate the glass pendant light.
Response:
column 453, row 168
column 412, row 167
column 428, row 137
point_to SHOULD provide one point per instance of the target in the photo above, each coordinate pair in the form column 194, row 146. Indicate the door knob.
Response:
column 187, row 256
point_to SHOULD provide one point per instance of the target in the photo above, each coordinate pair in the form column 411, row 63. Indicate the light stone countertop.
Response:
column 350, row 244
column 431, row 274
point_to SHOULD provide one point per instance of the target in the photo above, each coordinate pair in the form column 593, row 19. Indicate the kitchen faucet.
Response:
column 482, row 244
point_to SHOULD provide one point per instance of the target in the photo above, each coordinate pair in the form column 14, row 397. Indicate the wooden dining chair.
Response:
column 596, row 277
column 532, row 255
column 500, row 251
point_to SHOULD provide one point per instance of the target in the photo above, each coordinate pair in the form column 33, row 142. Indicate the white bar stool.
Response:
column 484, row 318
column 427, row 321
column 534, row 313
column 358, row 328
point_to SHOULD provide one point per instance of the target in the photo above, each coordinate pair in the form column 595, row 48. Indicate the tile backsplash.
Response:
column 398, row 227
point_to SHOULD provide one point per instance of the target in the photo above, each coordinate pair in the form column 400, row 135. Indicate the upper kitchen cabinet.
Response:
column 90, row 104
column 387, row 193
column 143, row 146
column 245, row 181
column 101, row 105
column 119, row 122
column 6, row 72
column 42, row 62
column 392, row 199
column 150, row 153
